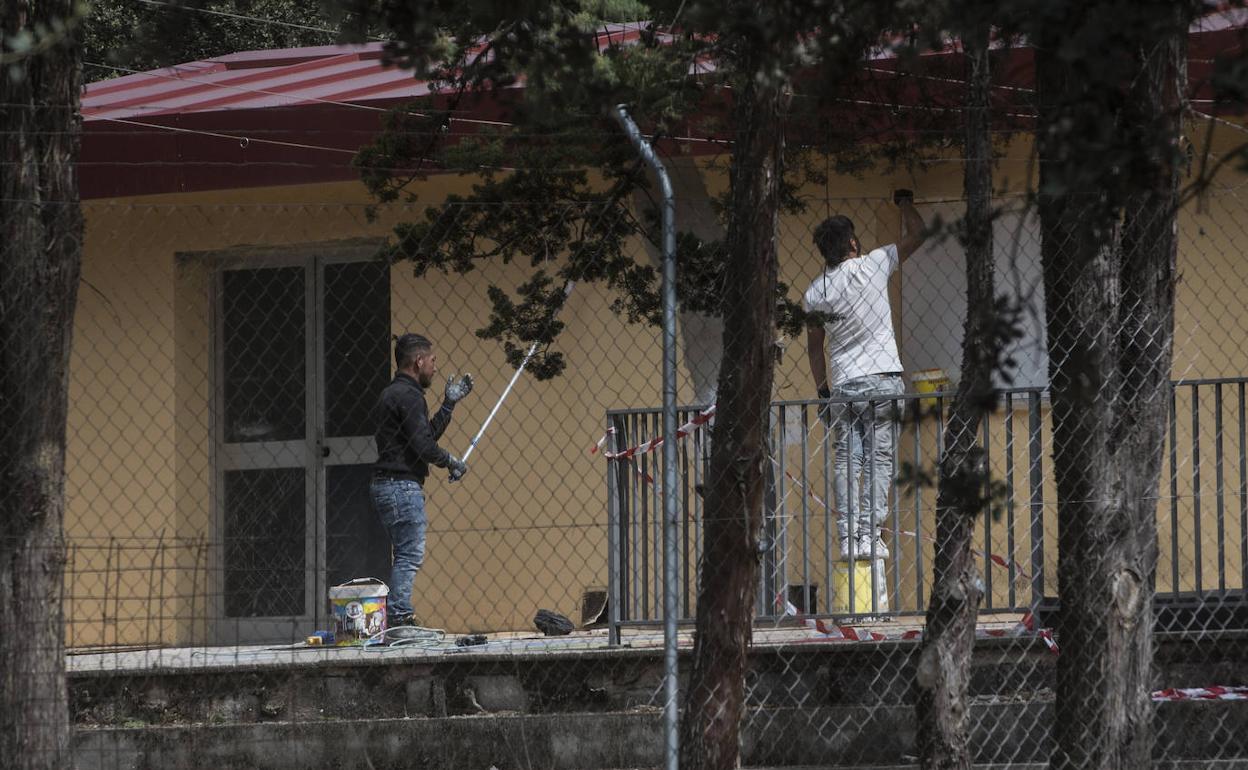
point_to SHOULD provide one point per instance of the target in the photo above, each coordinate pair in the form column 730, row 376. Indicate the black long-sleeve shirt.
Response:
column 407, row 439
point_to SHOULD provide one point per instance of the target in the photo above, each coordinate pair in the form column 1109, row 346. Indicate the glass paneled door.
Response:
column 303, row 349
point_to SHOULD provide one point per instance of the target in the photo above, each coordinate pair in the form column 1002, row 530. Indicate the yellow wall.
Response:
column 526, row 529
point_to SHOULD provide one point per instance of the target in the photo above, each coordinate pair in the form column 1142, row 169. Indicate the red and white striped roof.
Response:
column 298, row 115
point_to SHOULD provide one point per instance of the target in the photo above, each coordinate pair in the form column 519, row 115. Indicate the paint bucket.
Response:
column 868, row 577
column 359, row 610
column 929, row 381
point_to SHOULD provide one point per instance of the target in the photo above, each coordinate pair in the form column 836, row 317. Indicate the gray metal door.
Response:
column 302, row 351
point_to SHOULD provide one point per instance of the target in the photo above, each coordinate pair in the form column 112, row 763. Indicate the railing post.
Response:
column 1174, row 494
column 1035, row 456
column 986, row 430
column 1220, row 485
column 614, row 563
column 1012, row 599
column 1243, row 490
column 1197, row 537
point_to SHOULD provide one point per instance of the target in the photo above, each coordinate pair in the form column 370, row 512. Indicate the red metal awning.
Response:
column 297, row 116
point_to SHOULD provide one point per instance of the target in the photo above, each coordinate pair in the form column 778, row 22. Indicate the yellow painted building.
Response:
column 229, row 342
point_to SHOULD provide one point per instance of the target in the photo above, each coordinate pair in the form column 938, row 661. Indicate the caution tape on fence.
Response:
column 706, row 416
column 997, row 559
column 840, row 632
column 698, row 421
column 1201, row 693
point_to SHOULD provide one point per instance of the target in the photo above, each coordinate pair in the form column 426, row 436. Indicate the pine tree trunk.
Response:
column 715, row 694
column 943, row 673
column 1109, row 272
column 40, row 252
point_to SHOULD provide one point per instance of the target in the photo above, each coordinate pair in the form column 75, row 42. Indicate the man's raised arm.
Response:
column 913, row 230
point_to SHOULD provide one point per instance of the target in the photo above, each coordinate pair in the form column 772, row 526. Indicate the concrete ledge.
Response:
column 374, row 685
column 840, row 737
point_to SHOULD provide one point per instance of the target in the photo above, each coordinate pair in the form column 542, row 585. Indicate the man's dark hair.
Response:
column 407, row 347
column 833, row 237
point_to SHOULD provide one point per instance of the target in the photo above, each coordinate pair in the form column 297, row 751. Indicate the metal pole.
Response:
column 615, row 577
column 670, row 512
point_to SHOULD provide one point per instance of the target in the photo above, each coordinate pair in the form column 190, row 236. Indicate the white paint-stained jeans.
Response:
column 865, row 450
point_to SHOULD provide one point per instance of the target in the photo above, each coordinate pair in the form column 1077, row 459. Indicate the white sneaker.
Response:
column 865, row 541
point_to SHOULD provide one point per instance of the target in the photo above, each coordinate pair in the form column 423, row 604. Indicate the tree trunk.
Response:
column 40, row 254
column 715, row 695
column 1109, row 272
column 943, row 673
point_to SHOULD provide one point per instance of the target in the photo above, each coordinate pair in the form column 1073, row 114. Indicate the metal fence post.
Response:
column 670, row 471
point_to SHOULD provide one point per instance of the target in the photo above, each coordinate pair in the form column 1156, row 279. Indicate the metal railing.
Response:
column 1202, row 521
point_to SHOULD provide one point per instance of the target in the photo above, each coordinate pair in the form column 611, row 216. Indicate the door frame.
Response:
column 224, row 457
column 338, row 450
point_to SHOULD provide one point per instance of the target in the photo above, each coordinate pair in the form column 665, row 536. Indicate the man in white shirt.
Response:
column 853, row 355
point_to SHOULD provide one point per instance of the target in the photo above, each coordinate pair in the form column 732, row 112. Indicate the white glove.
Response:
column 457, row 388
column 457, row 468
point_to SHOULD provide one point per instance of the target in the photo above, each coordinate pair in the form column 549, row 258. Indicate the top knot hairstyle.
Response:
column 833, row 238
column 407, row 347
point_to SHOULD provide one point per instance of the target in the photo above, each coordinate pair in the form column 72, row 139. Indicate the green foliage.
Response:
column 135, row 35
column 1101, row 134
column 535, row 201
column 24, row 43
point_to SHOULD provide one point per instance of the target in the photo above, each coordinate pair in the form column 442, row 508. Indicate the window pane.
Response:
column 265, row 569
column 265, row 370
column 357, row 345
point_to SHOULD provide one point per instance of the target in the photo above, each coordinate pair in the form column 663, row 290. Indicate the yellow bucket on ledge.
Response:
column 868, row 578
column 929, row 381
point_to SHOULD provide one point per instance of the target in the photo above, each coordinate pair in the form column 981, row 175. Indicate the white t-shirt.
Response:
column 860, row 340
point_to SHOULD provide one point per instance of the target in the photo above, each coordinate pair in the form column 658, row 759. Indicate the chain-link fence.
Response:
column 227, row 364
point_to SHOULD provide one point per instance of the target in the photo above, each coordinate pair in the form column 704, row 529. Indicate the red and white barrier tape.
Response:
column 698, row 421
column 1201, row 693
column 1026, row 626
column 706, row 416
column 596, row 447
column 1000, row 561
column 828, row 631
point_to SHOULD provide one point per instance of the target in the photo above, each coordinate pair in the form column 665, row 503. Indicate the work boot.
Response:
column 864, row 544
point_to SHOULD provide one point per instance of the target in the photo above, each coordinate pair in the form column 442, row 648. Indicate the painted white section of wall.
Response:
column 933, row 290
column 701, row 337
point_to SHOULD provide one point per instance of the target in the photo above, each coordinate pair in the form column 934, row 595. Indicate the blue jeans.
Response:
column 865, row 445
column 400, row 504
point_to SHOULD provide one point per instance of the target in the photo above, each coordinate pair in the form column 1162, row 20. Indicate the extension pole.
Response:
column 567, row 289
column 671, row 521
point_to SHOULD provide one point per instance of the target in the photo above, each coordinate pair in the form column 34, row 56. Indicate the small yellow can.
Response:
column 929, row 381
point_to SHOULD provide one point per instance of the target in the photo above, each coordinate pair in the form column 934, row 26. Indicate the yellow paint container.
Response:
column 858, row 601
column 929, row 381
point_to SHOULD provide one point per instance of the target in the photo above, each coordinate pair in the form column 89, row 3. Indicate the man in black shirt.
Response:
column 407, row 444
